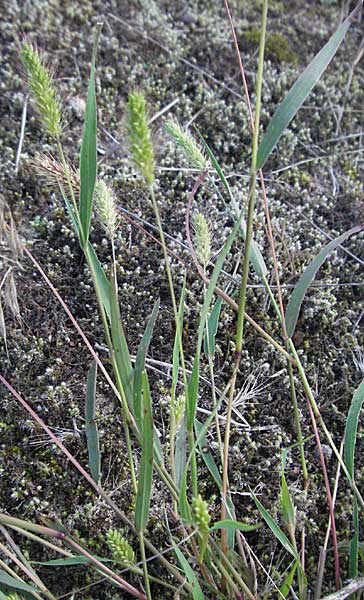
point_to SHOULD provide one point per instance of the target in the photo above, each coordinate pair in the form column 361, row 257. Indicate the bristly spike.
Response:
column 191, row 149
column 106, row 207
column 41, row 83
column 140, row 136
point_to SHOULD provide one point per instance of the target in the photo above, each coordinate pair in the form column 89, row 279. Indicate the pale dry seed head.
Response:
column 191, row 149
column 203, row 239
column 179, row 409
column 10, row 295
column 106, row 207
column 41, row 84
column 54, row 173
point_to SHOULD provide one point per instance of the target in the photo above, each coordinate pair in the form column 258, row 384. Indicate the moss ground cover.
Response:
column 314, row 185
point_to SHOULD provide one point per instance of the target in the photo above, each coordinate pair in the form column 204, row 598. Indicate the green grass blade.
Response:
column 256, row 257
column 354, row 544
column 277, row 532
column 101, row 280
column 71, row 561
column 351, row 428
column 120, row 347
column 16, row 584
column 3, row 597
column 146, row 461
column 88, row 157
column 297, row 297
column 180, row 455
column 190, row 575
column 176, row 345
column 287, row 507
column 212, row 325
column 299, row 92
column 92, row 434
column 231, row 524
column 140, row 364
column 285, row 587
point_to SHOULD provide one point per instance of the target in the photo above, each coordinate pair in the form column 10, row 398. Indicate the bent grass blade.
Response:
column 300, row 90
column 298, row 294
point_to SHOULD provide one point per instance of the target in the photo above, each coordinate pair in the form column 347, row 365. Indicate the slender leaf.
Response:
column 180, row 455
column 102, row 284
column 212, row 325
column 278, row 533
column 299, row 92
column 297, row 297
column 17, row 584
column 351, row 428
column 140, row 364
column 256, row 257
column 88, row 157
column 71, row 561
column 354, row 544
column 146, row 461
column 231, row 524
column 3, row 597
column 285, row 587
column 287, row 507
column 92, row 434
column 176, row 344
column 120, row 347
column 191, row 577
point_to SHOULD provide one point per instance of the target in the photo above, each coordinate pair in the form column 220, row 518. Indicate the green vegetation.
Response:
column 214, row 470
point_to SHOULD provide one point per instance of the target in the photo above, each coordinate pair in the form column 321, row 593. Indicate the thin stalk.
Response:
column 251, row 198
column 10, row 520
column 244, row 588
column 279, row 309
column 16, row 576
column 329, row 497
column 246, row 262
column 145, row 566
column 317, row 414
column 323, row 550
column 175, row 312
column 29, row 573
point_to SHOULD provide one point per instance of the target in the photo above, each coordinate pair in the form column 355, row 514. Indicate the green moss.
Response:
column 277, row 48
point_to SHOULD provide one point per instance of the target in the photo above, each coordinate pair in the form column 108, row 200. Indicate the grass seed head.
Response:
column 54, row 173
column 191, row 149
column 201, row 513
column 120, row 547
column 41, row 83
column 140, row 136
column 179, row 409
column 106, row 207
column 203, row 239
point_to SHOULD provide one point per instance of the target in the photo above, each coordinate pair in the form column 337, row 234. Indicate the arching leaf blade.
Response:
column 300, row 90
column 297, row 297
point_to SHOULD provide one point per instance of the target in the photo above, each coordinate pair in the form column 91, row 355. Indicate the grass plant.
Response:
column 207, row 554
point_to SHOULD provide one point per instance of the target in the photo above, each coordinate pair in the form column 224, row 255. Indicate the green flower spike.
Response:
column 192, row 151
column 140, row 136
column 120, row 547
column 40, row 82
